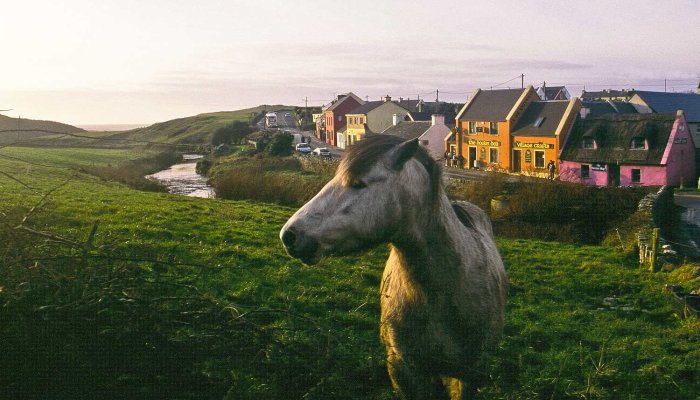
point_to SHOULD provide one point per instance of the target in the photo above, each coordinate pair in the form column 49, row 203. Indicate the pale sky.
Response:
column 146, row 61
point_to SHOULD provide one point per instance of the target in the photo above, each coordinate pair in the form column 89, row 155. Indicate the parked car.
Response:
column 322, row 151
column 303, row 148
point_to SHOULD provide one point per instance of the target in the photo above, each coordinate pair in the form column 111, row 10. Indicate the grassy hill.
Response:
column 196, row 129
column 109, row 292
column 13, row 130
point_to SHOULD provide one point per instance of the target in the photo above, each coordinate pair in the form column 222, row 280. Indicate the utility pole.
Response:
column 437, row 95
column 544, row 90
column 522, row 81
column 664, row 85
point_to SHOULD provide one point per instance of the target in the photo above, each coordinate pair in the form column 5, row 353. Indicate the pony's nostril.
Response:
column 289, row 238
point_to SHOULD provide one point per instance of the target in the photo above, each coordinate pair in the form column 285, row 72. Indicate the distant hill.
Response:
column 196, row 129
column 14, row 130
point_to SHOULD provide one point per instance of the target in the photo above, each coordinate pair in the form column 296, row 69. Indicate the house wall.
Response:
column 570, row 171
column 379, row 119
column 550, row 145
column 355, row 129
column 679, row 156
column 434, row 140
column 486, row 141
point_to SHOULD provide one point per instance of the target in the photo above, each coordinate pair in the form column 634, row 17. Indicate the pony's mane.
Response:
column 363, row 155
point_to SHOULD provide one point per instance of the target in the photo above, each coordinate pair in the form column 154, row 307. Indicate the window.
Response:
column 493, row 127
column 482, row 154
column 638, row 143
column 340, row 118
column 539, row 159
column 472, row 127
column 493, row 155
column 539, row 122
column 425, row 142
column 588, row 143
column 362, row 120
column 636, row 175
column 585, row 171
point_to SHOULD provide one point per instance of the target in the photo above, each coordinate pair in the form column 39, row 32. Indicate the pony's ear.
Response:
column 403, row 153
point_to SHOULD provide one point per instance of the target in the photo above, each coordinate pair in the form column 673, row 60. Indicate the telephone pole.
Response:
column 522, row 81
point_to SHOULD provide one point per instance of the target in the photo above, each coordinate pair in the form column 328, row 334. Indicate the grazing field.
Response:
column 110, row 292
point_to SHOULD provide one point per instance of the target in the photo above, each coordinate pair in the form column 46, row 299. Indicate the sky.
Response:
column 145, row 61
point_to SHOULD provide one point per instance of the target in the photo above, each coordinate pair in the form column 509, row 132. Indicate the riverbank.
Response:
column 183, row 179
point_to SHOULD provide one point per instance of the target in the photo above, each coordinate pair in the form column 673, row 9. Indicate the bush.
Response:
column 280, row 145
column 231, row 133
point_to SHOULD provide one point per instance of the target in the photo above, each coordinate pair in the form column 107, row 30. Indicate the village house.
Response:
column 371, row 117
column 662, row 102
column 484, row 126
column 539, row 135
column 431, row 134
column 334, row 119
column 629, row 150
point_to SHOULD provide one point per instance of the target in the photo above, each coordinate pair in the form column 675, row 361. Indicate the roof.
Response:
column 598, row 108
column 613, row 135
column 551, row 91
column 365, row 108
column 607, row 93
column 662, row 102
column 492, row 105
column 551, row 113
column 341, row 99
column 407, row 129
column 427, row 116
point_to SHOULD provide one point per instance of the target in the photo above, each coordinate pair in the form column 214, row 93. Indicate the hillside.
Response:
column 30, row 129
column 196, row 129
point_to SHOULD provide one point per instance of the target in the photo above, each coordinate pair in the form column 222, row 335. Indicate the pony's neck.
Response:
column 427, row 245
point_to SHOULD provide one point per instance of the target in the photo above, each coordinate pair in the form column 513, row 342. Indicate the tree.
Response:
column 231, row 133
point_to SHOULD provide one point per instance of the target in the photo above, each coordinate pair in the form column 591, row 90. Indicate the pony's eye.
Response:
column 357, row 184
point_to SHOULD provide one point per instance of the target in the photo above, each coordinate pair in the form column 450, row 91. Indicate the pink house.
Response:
column 629, row 150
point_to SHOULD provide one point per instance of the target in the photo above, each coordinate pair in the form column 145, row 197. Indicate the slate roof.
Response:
column 613, row 134
column 492, row 105
column 341, row 101
column 427, row 116
column 552, row 113
column 552, row 91
column 407, row 129
column 598, row 108
column 607, row 93
column 367, row 107
column 662, row 102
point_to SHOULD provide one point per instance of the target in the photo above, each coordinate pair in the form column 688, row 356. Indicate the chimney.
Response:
column 386, row 98
column 437, row 119
column 397, row 118
column 584, row 112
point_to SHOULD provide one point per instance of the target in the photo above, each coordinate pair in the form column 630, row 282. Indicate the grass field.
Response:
column 109, row 292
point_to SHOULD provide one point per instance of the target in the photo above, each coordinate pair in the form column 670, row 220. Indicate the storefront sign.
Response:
column 524, row 145
column 680, row 140
column 598, row 167
column 492, row 143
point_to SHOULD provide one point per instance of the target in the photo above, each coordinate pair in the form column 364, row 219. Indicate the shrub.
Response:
column 280, row 145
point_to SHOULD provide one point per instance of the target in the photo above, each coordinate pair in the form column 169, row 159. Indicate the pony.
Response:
column 444, row 287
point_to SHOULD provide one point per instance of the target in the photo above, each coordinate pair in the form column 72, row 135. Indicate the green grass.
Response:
column 176, row 297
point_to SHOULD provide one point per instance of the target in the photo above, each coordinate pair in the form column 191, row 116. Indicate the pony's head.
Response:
column 381, row 185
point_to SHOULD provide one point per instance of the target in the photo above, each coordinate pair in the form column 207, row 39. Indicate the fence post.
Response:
column 654, row 249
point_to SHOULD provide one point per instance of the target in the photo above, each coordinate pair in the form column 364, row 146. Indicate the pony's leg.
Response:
column 410, row 383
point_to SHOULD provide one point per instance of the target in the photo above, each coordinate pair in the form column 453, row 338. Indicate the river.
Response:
column 182, row 178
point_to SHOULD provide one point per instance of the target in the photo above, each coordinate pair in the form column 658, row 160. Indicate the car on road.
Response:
column 288, row 115
column 321, row 151
column 303, row 148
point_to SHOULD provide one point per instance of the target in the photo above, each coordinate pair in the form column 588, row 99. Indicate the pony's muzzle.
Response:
column 299, row 245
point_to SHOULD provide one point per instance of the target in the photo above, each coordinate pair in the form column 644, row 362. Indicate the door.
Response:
column 472, row 157
column 516, row 161
column 613, row 175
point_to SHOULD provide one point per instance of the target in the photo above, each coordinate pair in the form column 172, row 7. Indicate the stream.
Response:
column 182, row 178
